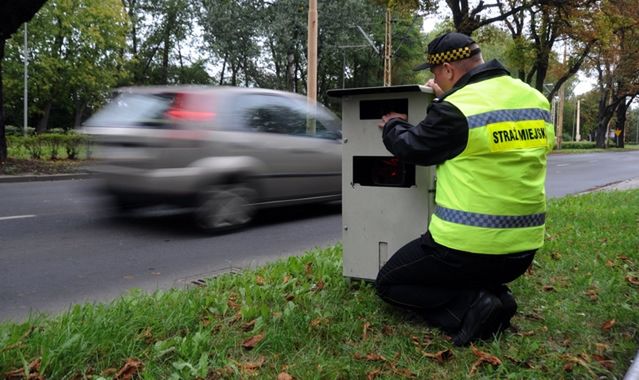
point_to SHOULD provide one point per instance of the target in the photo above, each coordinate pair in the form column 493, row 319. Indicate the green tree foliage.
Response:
column 75, row 59
column 161, row 40
column 616, row 62
column 263, row 43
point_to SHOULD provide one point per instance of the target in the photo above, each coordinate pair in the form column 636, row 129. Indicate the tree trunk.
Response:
column 290, row 70
column 620, row 124
column 3, row 139
column 44, row 121
column 80, row 107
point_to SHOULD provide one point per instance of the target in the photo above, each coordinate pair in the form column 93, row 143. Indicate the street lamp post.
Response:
column 26, row 81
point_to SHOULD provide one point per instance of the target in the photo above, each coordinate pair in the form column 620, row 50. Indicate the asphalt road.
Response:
column 59, row 246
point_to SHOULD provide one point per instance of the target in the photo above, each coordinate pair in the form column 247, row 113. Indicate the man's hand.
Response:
column 391, row 115
column 436, row 89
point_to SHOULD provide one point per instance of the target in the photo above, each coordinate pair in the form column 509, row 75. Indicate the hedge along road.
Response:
column 59, row 246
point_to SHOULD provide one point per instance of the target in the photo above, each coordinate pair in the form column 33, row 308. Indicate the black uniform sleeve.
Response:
column 442, row 135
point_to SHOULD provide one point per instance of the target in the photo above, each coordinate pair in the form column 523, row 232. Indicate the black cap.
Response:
column 448, row 47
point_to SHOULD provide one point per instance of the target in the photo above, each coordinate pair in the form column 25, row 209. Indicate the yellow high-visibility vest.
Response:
column 491, row 197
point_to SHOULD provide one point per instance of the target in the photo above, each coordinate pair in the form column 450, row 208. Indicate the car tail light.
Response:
column 190, row 108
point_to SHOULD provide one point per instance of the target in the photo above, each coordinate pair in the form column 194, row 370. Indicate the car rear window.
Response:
column 130, row 110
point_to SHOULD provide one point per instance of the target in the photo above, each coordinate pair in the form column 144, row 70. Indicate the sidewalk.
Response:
column 621, row 185
column 42, row 177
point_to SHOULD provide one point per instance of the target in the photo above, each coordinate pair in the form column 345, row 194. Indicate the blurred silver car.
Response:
column 222, row 151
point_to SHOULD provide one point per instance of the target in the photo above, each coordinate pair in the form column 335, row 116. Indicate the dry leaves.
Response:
column 259, row 280
column 319, row 286
column 250, row 368
column 33, row 374
column 248, row 326
column 251, row 342
column 605, row 362
column 606, row 326
column 389, row 367
column 483, row 357
column 365, row 328
column 131, row 368
column 633, row 280
column 439, row 356
column 284, row 376
column 581, row 359
column 593, row 293
column 232, row 302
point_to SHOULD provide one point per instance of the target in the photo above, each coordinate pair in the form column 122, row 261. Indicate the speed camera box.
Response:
column 385, row 202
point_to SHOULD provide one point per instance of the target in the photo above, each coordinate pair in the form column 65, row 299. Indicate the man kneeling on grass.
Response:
column 489, row 135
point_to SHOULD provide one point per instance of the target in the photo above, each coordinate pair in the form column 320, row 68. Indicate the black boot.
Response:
column 509, row 304
column 482, row 319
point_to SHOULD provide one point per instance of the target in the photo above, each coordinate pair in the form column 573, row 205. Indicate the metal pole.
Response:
column 388, row 48
column 311, row 78
column 26, row 81
column 578, row 135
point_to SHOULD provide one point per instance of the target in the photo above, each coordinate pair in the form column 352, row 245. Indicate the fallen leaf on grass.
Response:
column 602, row 347
column 633, row 280
column 606, row 326
column 248, row 326
column 319, row 286
column 388, row 330
column 251, row 368
column 308, row 269
column 483, row 357
column 365, row 328
column 232, row 302
column 606, row 363
column 593, row 294
column 131, row 368
column 319, row 321
column 582, row 360
column 440, row 356
column 373, row 374
column 259, row 280
column 286, row 279
column 520, row 363
column 372, row 357
column 33, row 374
column 626, row 259
column 526, row 333
column 284, row 376
column 548, row 288
column 251, row 342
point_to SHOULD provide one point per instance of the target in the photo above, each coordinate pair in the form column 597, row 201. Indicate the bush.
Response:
column 73, row 142
column 34, row 145
column 54, row 142
column 578, row 145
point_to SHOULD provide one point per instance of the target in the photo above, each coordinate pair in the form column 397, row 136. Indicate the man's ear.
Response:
column 449, row 71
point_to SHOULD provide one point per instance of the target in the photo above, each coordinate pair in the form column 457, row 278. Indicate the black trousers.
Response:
column 441, row 283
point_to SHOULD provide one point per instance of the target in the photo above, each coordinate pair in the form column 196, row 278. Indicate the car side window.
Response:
column 274, row 114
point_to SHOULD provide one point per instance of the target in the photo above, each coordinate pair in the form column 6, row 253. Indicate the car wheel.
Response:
column 225, row 207
column 122, row 206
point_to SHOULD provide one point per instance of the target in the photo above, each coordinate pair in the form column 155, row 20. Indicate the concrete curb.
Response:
column 43, row 177
column 621, row 185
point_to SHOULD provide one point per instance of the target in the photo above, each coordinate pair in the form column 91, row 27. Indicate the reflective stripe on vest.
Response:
column 499, row 116
column 489, row 221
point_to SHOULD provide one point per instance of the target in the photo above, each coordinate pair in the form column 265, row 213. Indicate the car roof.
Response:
column 201, row 89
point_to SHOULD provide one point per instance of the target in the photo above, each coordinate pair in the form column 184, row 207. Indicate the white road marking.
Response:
column 16, row 217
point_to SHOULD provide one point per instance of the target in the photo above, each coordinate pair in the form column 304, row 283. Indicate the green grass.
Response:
column 626, row 148
column 578, row 319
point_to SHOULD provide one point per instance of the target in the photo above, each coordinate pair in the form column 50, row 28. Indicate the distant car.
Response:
column 222, row 151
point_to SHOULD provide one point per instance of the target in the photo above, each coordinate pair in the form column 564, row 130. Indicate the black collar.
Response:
column 482, row 72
